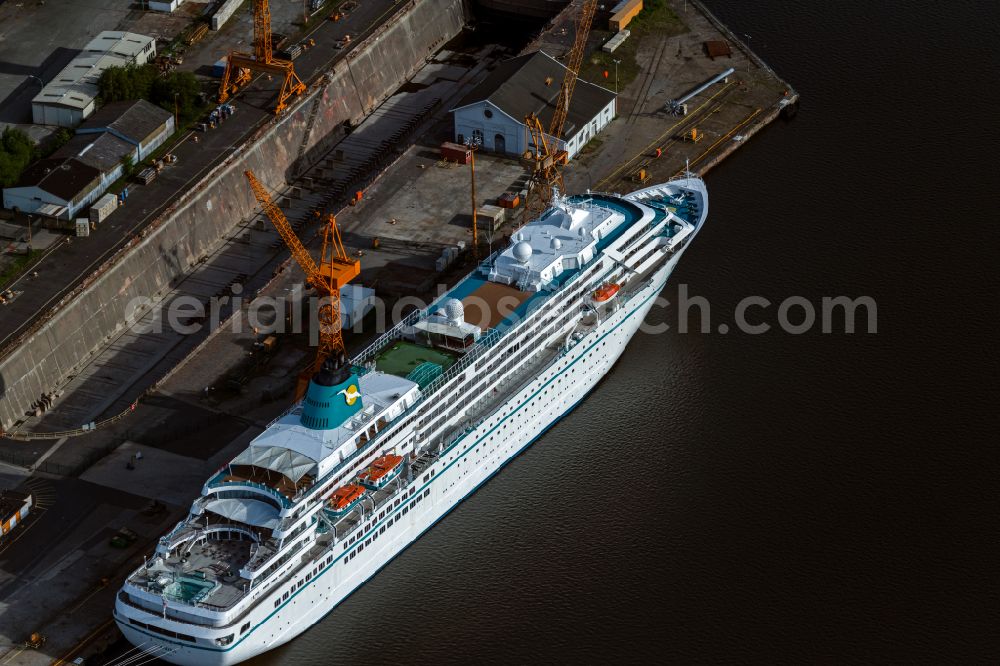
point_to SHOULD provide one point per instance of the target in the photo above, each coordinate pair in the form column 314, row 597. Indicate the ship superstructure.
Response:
column 383, row 446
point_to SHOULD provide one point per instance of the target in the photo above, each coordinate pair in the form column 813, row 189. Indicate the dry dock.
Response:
column 413, row 203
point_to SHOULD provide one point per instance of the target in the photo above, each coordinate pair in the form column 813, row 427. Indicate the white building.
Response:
column 71, row 96
column 78, row 173
column 55, row 187
column 494, row 111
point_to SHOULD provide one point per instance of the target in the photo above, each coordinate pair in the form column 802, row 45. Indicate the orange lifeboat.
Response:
column 382, row 470
column 605, row 292
column 343, row 499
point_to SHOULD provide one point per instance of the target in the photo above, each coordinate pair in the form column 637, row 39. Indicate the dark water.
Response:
column 773, row 497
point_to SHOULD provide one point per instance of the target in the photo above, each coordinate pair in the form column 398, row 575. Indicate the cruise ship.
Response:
column 385, row 444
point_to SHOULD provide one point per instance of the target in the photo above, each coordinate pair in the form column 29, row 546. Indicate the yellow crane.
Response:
column 335, row 269
column 239, row 65
column 546, row 174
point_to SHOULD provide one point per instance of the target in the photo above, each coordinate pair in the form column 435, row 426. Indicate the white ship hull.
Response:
column 525, row 396
column 473, row 461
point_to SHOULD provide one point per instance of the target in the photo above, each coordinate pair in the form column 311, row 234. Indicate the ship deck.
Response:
column 403, row 357
column 506, row 305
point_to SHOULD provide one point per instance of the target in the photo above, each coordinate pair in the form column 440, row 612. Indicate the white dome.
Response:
column 556, row 243
column 522, row 251
column 454, row 310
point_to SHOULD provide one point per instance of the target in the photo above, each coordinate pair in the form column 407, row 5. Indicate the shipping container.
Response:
column 103, row 207
column 490, row 218
column 509, row 200
column 219, row 68
column 454, row 152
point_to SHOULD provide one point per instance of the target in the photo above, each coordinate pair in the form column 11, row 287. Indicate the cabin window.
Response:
column 277, row 602
column 244, row 628
column 284, row 597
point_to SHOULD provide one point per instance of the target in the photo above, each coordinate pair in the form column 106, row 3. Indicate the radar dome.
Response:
column 556, row 243
column 454, row 310
column 522, row 251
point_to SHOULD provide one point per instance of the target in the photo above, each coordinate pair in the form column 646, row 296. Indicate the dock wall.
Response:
column 96, row 312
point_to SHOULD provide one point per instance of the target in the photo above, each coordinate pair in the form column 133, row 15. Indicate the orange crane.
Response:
column 546, row 174
column 239, row 65
column 335, row 269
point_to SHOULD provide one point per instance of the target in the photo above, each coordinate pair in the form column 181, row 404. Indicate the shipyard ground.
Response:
column 192, row 422
column 37, row 40
column 67, row 262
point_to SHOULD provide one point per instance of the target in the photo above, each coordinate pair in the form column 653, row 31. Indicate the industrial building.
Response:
column 493, row 113
column 82, row 170
column 138, row 122
column 71, row 96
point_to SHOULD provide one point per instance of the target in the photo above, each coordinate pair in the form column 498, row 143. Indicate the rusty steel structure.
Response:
column 239, row 66
column 334, row 270
column 547, row 158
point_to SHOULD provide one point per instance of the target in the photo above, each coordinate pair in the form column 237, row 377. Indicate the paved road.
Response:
column 67, row 262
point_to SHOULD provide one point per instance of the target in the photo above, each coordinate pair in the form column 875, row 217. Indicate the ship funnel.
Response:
column 333, row 395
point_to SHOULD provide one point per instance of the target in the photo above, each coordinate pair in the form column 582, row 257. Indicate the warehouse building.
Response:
column 138, row 122
column 55, row 187
column 78, row 173
column 71, row 96
column 493, row 113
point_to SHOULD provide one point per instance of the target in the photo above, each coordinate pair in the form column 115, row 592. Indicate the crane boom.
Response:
column 239, row 65
column 583, row 22
column 262, row 30
column 546, row 173
column 335, row 269
column 284, row 228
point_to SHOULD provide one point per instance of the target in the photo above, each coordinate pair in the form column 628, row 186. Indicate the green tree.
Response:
column 16, row 152
column 124, row 83
column 128, row 164
column 183, row 85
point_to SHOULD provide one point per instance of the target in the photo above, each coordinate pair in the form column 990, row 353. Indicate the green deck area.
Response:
column 401, row 357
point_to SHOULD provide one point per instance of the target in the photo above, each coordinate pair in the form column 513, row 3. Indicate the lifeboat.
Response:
column 344, row 499
column 382, row 470
column 605, row 292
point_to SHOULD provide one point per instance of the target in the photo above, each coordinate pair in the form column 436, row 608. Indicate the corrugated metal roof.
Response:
column 134, row 119
column 65, row 178
column 101, row 151
column 76, row 85
column 530, row 84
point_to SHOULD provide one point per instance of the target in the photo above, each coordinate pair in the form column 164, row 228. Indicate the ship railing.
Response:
column 155, row 609
column 284, row 501
column 392, row 334
column 485, row 343
column 362, row 359
column 520, row 379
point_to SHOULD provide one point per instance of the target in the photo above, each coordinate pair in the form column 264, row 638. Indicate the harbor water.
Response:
column 807, row 497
